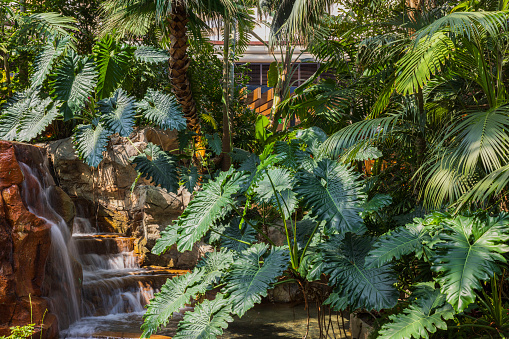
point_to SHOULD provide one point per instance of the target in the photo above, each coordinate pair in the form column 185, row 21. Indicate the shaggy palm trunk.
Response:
column 179, row 62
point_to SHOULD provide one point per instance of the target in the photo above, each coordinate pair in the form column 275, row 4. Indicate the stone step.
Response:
column 103, row 244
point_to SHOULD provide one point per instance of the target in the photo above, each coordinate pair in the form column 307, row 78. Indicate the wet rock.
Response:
column 25, row 242
column 103, row 195
column 62, row 204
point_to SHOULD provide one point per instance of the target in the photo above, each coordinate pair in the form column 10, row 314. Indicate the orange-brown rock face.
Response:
column 25, row 242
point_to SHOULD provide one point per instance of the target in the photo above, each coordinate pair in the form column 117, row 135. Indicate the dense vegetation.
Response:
column 390, row 191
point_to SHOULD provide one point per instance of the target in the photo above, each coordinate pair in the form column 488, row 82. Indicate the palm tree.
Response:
column 173, row 17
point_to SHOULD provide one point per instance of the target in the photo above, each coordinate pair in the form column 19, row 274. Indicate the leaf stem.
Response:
column 255, row 228
column 231, row 238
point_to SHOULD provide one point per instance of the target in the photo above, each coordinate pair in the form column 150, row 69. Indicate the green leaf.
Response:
column 215, row 143
column 113, row 63
column 214, row 265
column 337, row 302
column 273, row 75
column 290, row 154
column 210, row 205
column 163, row 110
column 471, row 252
column 250, row 279
column 158, row 165
column 44, row 61
column 247, row 234
column 333, row 194
column 175, row 294
column 151, row 55
column 117, row 113
column 368, row 153
column 189, row 178
column 262, row 122
column 369, row 288
column 395, row 244
column 207, row 321
column 91, row 141
column 35, row 121
column 376, row 203
column 425, row 315
column 20, row 104
column 74, row 82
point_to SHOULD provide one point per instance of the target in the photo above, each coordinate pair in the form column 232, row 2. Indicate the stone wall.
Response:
column 104, row 194
column 25, row 242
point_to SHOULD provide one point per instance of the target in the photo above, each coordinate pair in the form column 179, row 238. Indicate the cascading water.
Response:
column 94, row 281
column 63, row 293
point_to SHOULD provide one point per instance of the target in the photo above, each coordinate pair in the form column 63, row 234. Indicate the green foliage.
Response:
column 249, row 278
column 150, row 54
column 209, row 206
column 175, row 294
column 162, row 109
column 73, row 83
column 158, row 165
column 35, row 121
column 91, row 141
column 214, row 143
column 332, row 194
column 117, row 113
column 471, row 251
column 369, row 288
column 20, row 332
column 112, row 62
column 247, row 234
column 208, row 319
column 43, row 64
column 426, row 314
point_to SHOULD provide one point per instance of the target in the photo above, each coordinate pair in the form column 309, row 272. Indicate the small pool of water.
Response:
column 264, row 321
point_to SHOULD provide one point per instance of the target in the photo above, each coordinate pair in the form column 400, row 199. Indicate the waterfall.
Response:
column 63, row 293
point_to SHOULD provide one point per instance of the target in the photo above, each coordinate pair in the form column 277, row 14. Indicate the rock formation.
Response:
column 104, row 194
column 24, row 247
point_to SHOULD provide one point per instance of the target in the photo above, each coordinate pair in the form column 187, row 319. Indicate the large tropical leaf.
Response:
column 427, row 313
column 91, row 141
column 16, row 108
column 395, row 244
column 369, row 288
column 112, row 63
column 117, row 113
column 250, row 279
column 35, row 121
column 214, row 265
column 74, row 82
column 162, row 109
column 290, row 154
column 175, row 294
column 471, row 252
column 151, row 54
column 232, row 230
column 210, row 205
column 275, row 188
column 189, row 178
column 333, row 194
column 44, row 61
column 207, row 321
column 158, row 165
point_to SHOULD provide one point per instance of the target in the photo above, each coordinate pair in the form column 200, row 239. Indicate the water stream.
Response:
column 94, row 282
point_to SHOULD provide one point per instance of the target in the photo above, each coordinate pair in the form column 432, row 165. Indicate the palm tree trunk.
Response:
column 179, row 62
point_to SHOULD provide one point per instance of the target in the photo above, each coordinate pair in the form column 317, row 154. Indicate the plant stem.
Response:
column 231, row 238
